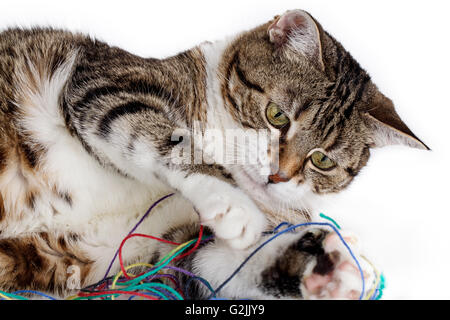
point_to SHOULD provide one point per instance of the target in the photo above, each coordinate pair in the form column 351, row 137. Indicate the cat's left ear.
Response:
column 298, row 31
column 386, row 127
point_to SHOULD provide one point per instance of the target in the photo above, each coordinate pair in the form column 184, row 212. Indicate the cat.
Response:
column 87, row 144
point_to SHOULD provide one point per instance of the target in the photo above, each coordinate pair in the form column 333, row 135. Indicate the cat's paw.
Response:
column 234, row 219
column 332, row 273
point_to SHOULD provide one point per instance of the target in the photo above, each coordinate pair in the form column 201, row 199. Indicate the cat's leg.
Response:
column 308, row 264
column 224, row 207
column 44, row 262
column 227, row 210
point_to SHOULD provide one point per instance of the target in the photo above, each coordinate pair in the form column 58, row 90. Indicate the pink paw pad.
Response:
column 315, row 282
column 343, row 281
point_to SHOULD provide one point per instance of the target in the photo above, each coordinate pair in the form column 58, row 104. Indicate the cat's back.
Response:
column 45, row 47
column 46, row 176
column 26, row 56
column 28, row 59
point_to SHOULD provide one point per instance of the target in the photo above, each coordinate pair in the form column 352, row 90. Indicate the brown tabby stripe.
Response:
column 197, row 65
column 70, row 125
column 63, row 195
column 225, row 85
column 30, row 200
column 29, row 154
column 362, row 86
column 40, row 262
column 343, row 100
column 233, row 66
column 3, row 158
column 2, row 208
column 302, row 108
column 139, row 86
column 241, row 75
column 129, row 108
column 362, row 160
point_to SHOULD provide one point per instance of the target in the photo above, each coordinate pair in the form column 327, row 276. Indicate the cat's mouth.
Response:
column 271, row 196
column 255, row 185
column 247, row 180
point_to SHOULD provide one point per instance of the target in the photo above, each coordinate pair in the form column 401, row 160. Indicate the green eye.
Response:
column 321, row 161
column 276, row 116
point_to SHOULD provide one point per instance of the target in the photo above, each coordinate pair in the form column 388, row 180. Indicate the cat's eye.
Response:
column 321, row 161
column 276, row 116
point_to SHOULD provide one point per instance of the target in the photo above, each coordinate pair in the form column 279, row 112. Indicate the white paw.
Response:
column 234, row 218
column 340, row 277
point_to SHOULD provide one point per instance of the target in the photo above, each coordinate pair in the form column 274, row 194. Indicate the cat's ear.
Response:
column 387, row 128
column 298, row 31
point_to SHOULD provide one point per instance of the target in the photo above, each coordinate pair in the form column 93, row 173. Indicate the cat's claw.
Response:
column 239, row 222
column 334, row 274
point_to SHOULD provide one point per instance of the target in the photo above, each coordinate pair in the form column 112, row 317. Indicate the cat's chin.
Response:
column 273, row 197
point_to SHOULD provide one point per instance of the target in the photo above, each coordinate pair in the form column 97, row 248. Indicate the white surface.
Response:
column 398, row 204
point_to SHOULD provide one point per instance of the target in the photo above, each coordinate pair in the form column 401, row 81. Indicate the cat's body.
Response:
column 86, row 145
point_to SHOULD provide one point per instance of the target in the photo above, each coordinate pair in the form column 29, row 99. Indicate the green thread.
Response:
column 163, row 262
column 330, row 219
column 149, row 287
column 13, row 296
column 381, row 286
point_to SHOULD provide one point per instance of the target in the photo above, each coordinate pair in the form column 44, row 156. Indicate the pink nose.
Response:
column 276, row 178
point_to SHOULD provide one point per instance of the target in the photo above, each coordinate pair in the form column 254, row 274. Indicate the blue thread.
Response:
column 280, row 225
column 279, row 234
column 188, row 284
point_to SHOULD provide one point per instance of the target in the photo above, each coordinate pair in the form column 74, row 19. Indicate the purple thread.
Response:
column 181, row 270
column 135, row 227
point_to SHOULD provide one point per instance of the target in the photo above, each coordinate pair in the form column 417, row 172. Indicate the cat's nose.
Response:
column 278, row 177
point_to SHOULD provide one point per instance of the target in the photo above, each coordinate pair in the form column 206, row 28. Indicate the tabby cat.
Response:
column 87, row 144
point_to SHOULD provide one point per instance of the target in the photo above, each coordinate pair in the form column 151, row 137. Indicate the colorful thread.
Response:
column 330, row 219
column 144, row 285
column 136, row 226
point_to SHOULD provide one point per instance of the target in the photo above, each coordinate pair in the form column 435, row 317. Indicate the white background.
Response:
column 399, row 204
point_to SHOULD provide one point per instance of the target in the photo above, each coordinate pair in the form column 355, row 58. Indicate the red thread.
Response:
column 200, row 234
column 122, row 267
column 125, row 274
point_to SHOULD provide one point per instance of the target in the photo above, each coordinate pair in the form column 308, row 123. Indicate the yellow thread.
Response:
column 377, row 281
column 113, row 286
column 5, row 297
column 116, row 278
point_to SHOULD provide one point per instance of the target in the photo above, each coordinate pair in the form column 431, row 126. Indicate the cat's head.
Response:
column 293, row 78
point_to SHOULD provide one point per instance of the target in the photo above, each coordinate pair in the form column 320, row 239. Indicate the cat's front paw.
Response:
column 234, row 219
column 333, row 273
